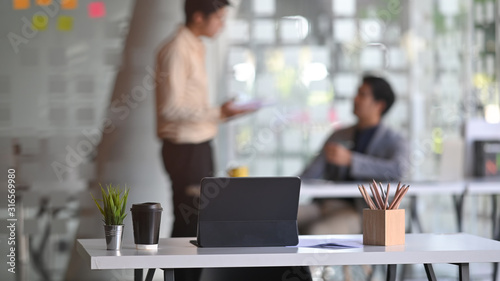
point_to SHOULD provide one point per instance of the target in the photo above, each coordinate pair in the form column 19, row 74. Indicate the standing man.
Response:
column 185, row 120
column 186, row 124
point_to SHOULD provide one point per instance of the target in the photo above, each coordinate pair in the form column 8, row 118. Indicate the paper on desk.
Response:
column 330, row 243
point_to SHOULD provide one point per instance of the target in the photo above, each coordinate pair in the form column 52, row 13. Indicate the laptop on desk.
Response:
column 248, row 212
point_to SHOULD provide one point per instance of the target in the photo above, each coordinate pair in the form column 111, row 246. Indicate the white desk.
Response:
column 483, row 187
column 174, row 253
column 311, row 189
column 325, row 189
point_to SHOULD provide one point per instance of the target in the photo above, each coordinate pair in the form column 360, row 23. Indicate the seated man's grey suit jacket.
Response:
column 385, row 159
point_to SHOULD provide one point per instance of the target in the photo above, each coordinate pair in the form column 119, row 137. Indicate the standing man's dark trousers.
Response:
column 186, row 164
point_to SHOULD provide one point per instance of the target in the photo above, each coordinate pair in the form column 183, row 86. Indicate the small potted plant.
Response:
column 114, row 201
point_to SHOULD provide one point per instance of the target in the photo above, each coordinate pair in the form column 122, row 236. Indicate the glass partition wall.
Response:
column 485, row 35
column 306, row 58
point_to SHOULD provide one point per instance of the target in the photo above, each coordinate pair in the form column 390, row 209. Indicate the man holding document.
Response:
column 186, row 122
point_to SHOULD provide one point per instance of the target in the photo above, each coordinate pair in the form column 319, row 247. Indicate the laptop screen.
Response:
column 248, row 211
column 231, row 199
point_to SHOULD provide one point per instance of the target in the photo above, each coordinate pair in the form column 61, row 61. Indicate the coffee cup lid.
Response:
column 147, row 207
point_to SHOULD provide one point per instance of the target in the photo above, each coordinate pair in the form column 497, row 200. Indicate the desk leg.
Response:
column 494, row 218
column 391, row 272
column 463, row 271
column 496, row 232
column 168, row 274
column 458, row 201
column 414, row 217
column 429, row 271
column 137, row 274
column 151, row 274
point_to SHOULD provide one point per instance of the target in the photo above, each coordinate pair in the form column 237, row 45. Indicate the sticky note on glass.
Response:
column 65, row 23
column 43, row 2
column 20, row 4
column 40, row 22
column 69, row 4
column 97, row 10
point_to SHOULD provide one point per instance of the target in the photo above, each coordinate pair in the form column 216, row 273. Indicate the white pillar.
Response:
column 131, row 153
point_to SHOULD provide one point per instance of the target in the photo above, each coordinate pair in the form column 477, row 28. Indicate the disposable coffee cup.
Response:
column 146, row 218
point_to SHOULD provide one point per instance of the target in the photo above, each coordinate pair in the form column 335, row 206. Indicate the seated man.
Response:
column 368, row 150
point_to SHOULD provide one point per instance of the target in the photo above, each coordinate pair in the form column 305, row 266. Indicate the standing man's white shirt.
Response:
column 184, row 114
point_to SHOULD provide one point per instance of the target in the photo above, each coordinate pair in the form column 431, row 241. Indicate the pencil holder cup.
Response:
column 383, row 227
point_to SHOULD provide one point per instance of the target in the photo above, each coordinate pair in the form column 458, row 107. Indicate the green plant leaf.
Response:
column 124, row 203
column 114, row 201
column 98, row 205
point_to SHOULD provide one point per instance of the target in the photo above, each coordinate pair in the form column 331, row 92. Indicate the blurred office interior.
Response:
column 68, row 68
